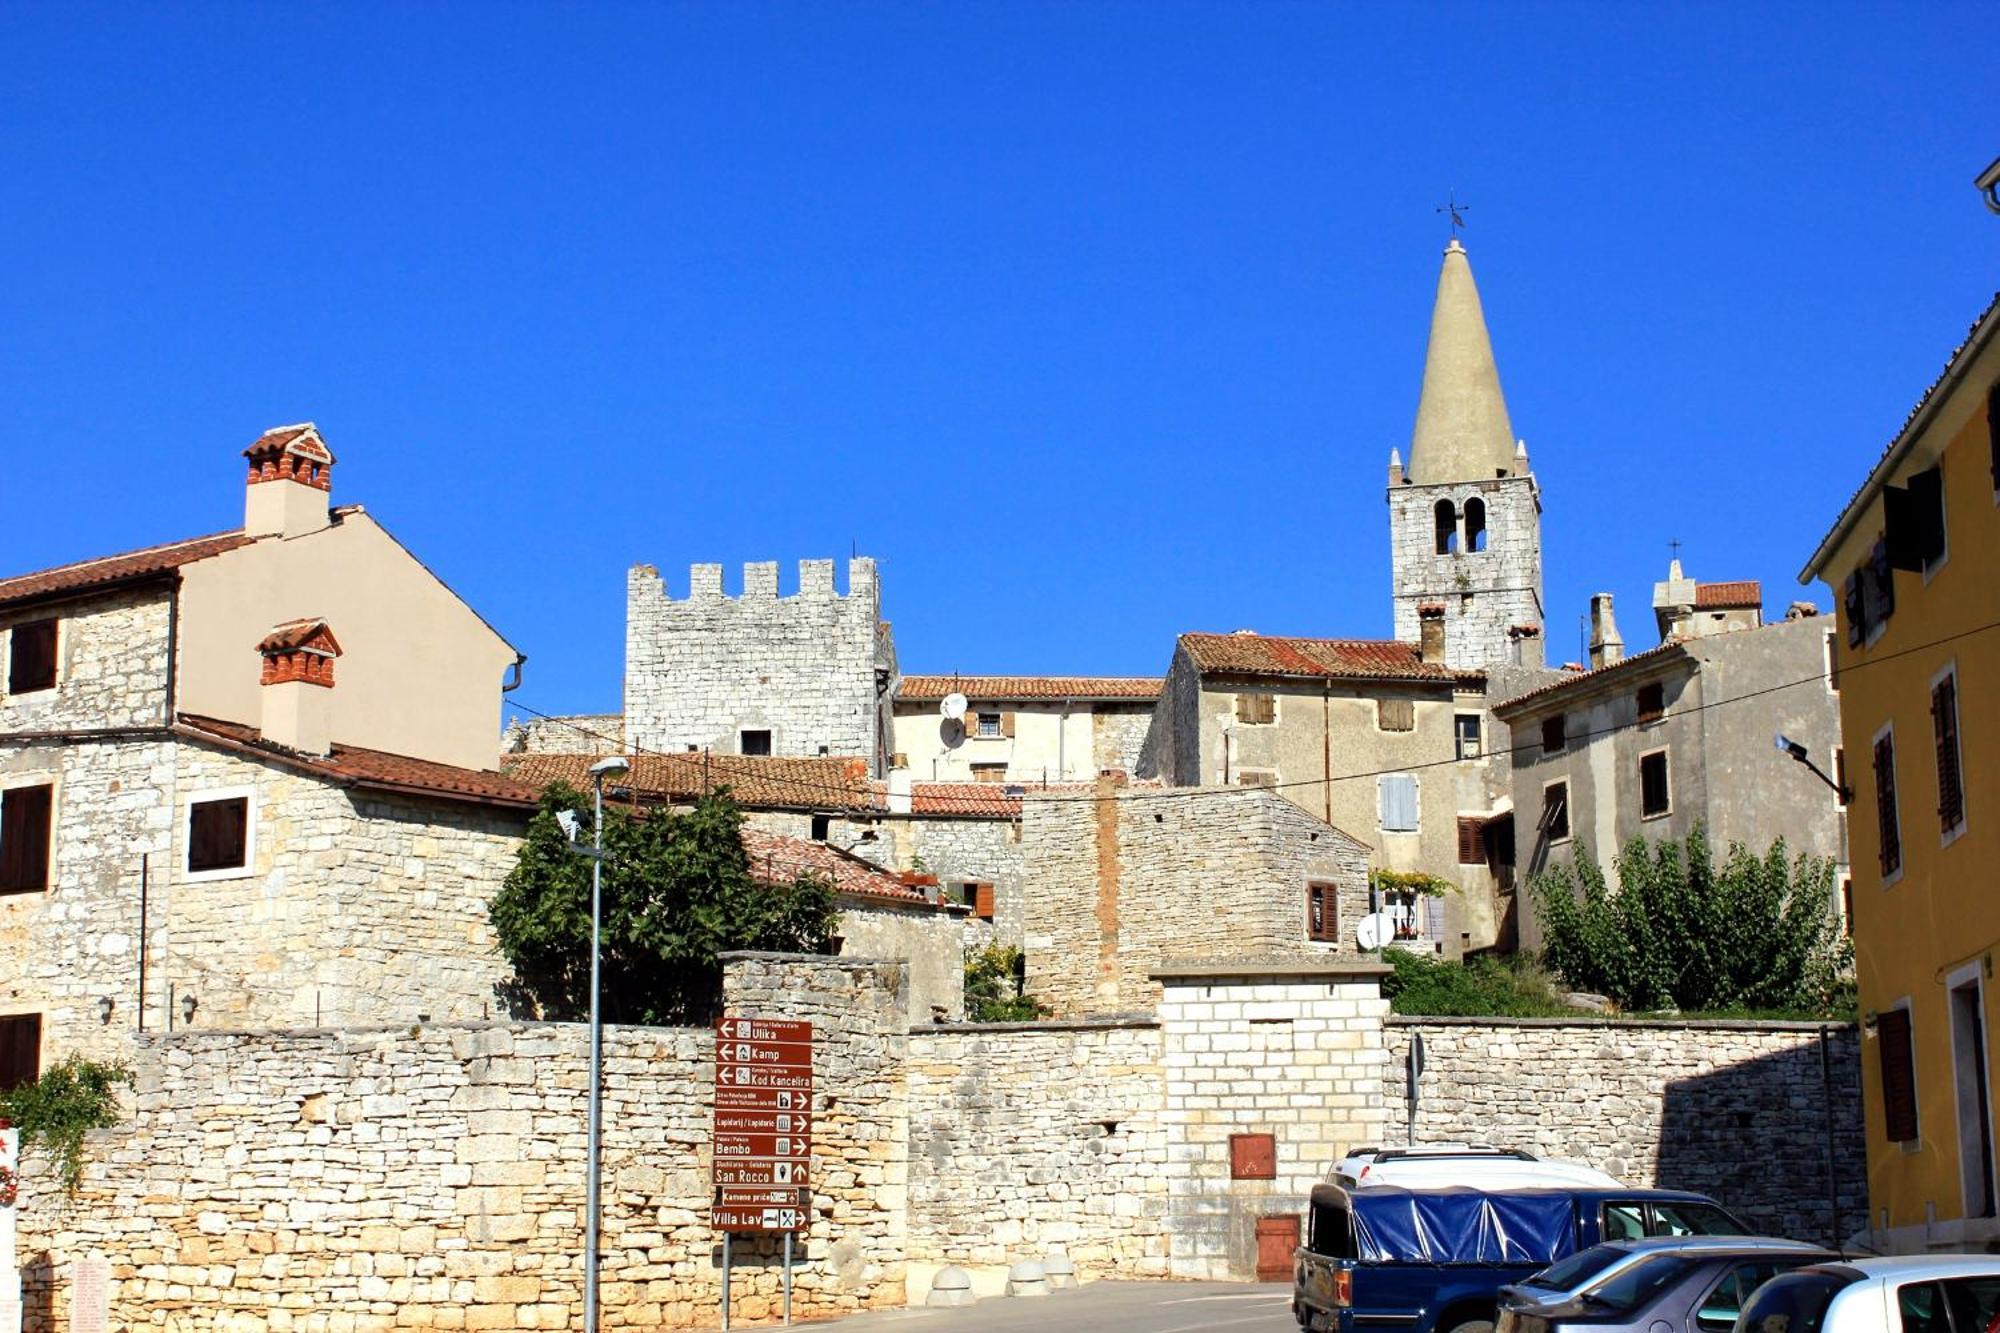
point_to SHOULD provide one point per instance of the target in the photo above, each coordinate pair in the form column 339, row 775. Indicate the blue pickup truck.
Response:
column 1378, row 1258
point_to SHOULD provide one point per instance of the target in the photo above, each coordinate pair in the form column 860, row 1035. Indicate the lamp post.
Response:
column 1786, row 745
column 599, row 771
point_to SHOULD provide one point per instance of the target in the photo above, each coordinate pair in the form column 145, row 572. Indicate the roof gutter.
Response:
column 1920, row 421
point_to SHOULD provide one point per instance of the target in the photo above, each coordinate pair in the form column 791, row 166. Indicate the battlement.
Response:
column 760, row 582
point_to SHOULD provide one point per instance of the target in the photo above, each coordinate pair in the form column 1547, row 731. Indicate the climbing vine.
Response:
column 68, row 1101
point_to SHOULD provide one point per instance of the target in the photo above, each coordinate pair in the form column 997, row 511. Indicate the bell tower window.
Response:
column 1447, row 528
column 1475, row 524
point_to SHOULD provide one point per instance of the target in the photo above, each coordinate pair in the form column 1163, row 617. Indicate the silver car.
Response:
column 1566, row 1279
column 1920, row 1293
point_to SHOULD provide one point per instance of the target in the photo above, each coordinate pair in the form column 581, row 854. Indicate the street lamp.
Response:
column 599, row 771
column 1786, row 745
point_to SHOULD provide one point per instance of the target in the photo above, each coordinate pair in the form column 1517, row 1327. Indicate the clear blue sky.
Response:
column 1094, row 322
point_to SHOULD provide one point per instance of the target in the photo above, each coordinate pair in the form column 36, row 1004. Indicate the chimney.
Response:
column 291, row 476
column 1605, row 645
column 1430, row 632
column 298, row 686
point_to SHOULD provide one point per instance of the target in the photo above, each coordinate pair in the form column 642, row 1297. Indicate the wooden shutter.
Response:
column 1891, row 850
column 1652, row 702
column 1471, row 843
column 1944, row 726
column 982, row 901
column 217, row 834
column 1855, row 604
column 1323, row 913
column 1396, row 714
column 20, row 1050
column 1899, row 1075
column 24, row 839
column 1007, row 724
column 31, row 659
column 1253, row 1157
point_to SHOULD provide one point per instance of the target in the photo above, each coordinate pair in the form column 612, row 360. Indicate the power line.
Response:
column 723, row 765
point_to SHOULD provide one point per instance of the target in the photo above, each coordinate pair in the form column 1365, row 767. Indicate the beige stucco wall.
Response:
column 420, row 674
column 1055, row 742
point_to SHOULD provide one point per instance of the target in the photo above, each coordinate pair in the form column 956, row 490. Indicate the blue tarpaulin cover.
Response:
column 1462, row 1226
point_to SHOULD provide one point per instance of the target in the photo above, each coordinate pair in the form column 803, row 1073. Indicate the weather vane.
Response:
column 1457, row 211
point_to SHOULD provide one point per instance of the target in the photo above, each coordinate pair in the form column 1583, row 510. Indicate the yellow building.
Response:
column 1914, row 565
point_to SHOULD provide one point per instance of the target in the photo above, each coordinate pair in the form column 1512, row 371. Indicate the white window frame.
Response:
column 1569, row 809
column 1933, row 567
column 250, row 812
column 54, row 782
column 1896, row 810
column 1946, row 837
column 1644, row 755
column 1457, row 743
column 979, row 731
column 1954, row 981
column 7, row 658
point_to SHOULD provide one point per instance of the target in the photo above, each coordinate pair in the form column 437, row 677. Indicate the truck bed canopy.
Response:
column 1462, row 1226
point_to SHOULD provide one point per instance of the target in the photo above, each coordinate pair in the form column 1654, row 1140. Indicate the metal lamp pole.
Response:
column 599, row 771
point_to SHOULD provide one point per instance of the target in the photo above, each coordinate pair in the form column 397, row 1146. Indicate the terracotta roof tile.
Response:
column 1030, row 687
column 1574, row 677
column 1721, row 596
column 1336, row 659
column 298, row 634
column 108, row 569
column 351, row 766
column 775, row 858
column 756, row 781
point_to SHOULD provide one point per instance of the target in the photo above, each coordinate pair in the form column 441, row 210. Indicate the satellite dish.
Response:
column 1374, row 931
column 953, row 706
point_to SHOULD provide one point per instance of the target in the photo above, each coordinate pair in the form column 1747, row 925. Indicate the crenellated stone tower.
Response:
column 1465, row 526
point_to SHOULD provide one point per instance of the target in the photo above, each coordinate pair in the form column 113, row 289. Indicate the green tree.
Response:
column 993, row 987
column 678, row 892
column 1759, row 933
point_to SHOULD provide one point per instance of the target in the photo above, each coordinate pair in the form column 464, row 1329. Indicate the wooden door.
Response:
column 1277, row 1237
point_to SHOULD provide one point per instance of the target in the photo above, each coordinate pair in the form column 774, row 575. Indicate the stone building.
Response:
column 1022, row 729
column 1652, row 744
column 806, row 674
column 1686, row 609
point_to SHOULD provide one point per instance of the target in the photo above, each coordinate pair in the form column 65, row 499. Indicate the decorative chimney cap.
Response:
column 301, row 636
column 1430, row 609
column 1524, row 631
column 291, row 453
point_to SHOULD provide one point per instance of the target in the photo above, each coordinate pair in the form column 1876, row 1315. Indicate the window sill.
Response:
column 1645, row 818
column 1893, row 878
column 8, row 696
column 1952, row 834
column 212, row 876
column 42, row 892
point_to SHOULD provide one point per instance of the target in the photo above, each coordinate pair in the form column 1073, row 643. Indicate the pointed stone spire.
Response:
column 1462, row 429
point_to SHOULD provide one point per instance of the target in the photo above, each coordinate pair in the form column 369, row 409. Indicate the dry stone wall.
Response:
column 1735, row 1110
column 111, row 655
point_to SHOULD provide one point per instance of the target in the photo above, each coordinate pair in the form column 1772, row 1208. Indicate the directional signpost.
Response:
column 761, row 1146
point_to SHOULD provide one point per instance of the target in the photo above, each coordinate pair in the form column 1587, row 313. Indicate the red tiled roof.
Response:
column 108, row 569
column 776, row 858
column 1336, row 659
column 757, row 781
column 1575, row 678
column 352, row 766
column 963, row 798
column 1722, row 596
column 1030, row 687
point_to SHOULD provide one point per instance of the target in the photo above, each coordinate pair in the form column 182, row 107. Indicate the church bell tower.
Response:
column 1465, row 517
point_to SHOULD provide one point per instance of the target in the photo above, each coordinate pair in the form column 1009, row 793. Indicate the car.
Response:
column 1564, row 1279
column 1462, row 1164
column 1919, row 1293
column 1434, row 1260
column 1676, row 1288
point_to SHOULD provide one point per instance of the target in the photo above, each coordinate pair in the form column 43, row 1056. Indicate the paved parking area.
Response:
column 1113, row 1307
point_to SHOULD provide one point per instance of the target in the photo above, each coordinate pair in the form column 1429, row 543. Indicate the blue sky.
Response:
column 1093, row 322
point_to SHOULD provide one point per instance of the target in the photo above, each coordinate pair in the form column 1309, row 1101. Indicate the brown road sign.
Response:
column 761, row 1099
column 748, row 1076
column 758, row 1219
column 770, row 1121
column 764, row 1029
column 778, row 1197
column 790, row 1054
column 778, row 1147
column 755, row 1171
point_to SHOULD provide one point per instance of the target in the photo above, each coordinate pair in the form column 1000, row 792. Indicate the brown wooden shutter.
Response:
column 24, row 839
column 1396, row 714
column 1471, row 843
column 1323, row 913
column 20, row 1050
column 31, row 659
column 1944, row 725
column 1890, row 852
column 982, row 901
column 1007, row 724
column 1652, row 702
column 1854, row 604
column 217, row 834
column 1253, row 1157
column 1899, row 1075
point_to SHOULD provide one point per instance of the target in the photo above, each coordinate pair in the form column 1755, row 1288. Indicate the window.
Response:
column 1796, row 1302
column 1465, row 728
column 1847, row 907
column 1257, row 709
column 1396, row 714
column 1653, row 795
column 1899, row 1074
column 755, row 742
column 1256, row 777
column 1323, row 913
column 1921, row 1305
column 821, row 826
column 1555, row 814
column 1842, row 793
column 1555, row 733
column 20, row 1050
column 1718, row 1310
column 979, row 897
column 1832, row 663
column 218, row 834
column 31, row 657
column 1888, row 826
column 1913, row 522
column 1447, row 528
column 24, row 838
column 1471, row 840
column 1869, row 597
column 1652, row 702
column 1974, row 1301
column 1944, row 729
column 989, row 772
column 987, row 724
column 1475, row 524
column 1399, row 802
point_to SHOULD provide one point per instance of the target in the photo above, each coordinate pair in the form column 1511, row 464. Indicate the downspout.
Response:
column 1062, row 739
column 513, row 681
column 1326, row 747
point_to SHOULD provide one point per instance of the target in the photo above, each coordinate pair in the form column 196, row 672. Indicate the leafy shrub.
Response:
column 1757, row 935
column 1481, row 987
column 993, row 991
column 70, row 1099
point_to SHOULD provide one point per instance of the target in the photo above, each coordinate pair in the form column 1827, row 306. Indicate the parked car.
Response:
column 1434, row 1260
column 1681, row 1288
column 1436, row 1164
column 1566, row 1278
column 1919, row 1293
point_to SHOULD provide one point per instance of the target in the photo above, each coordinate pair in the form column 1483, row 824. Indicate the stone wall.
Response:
column 432, row 1176
column 582, row 733
column 929, row 941
column 1484, row 592
column 1029, row 1137
column 111, row 664
column 701, row 669
column 1118, row 884
column 1734, row 1110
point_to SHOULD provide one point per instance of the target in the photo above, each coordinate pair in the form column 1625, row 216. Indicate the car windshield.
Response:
column 1792, row 1302
column 1579, row 1268
column 1635, row 1284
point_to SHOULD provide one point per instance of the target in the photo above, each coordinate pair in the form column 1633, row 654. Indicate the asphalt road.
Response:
column 1112, row 1307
